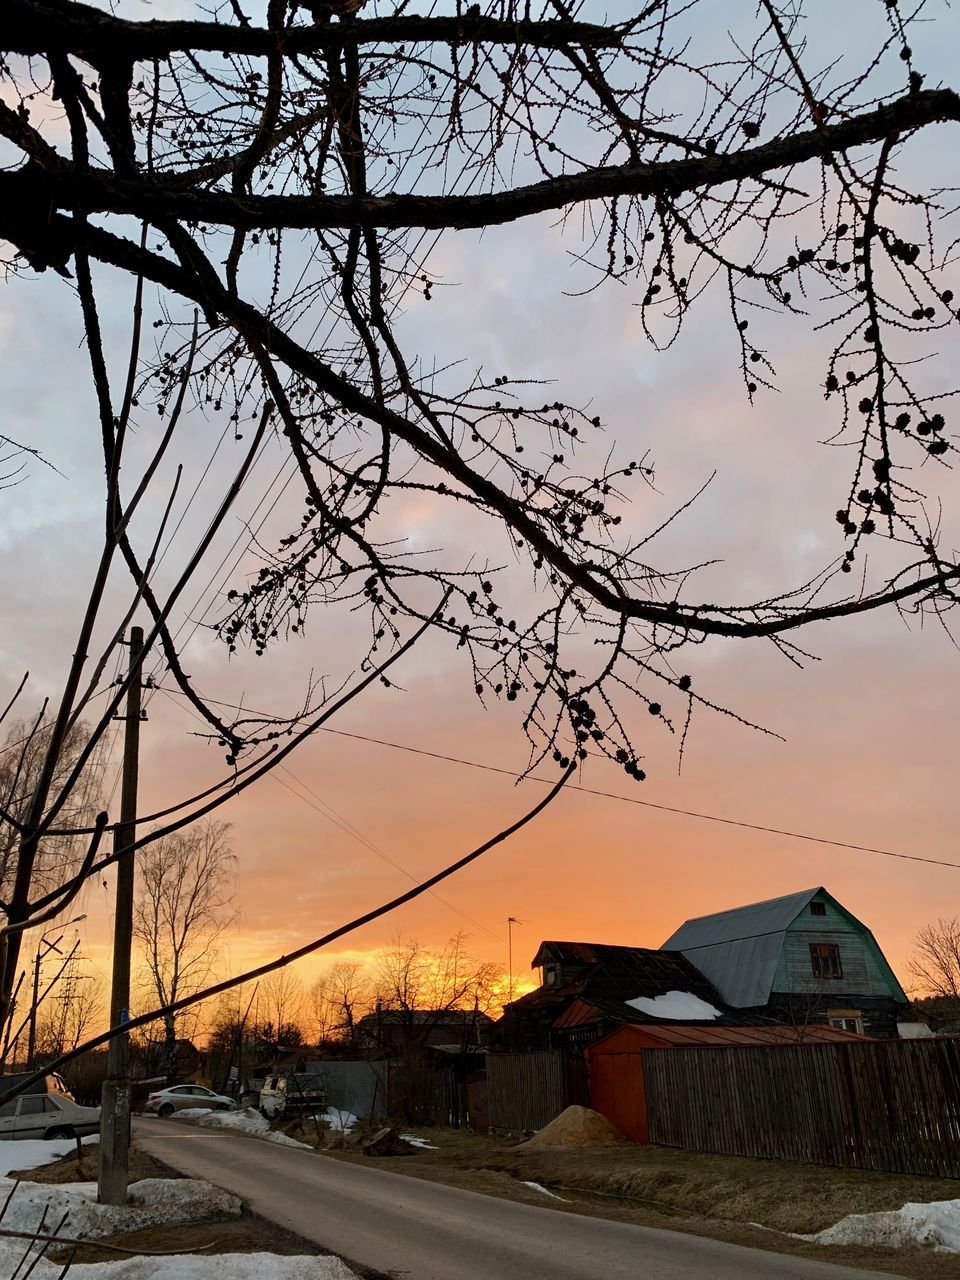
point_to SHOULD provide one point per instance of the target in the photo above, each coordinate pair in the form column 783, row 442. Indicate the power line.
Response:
column 339, row 821
column 327, row 811
column 650, row 804
column 608, row 795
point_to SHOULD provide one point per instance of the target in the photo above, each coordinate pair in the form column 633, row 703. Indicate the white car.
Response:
column 179, row 1097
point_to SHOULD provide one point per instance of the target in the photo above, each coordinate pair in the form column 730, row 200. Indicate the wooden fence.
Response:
column 419, row 1093
column 525, row 1091
column 890, row 1105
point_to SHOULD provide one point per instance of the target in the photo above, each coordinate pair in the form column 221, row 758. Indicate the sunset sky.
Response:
column 869, row 725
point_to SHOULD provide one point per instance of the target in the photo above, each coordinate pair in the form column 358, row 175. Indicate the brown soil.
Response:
column 743, row 1201
column 246, row 1234
column 575, row 1127
column 69, row 1169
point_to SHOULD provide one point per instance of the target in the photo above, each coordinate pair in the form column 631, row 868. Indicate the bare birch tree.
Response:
column 272, row 189
column 935, row 962
column 184, row 904
column 338, row 999
column 279, row 1008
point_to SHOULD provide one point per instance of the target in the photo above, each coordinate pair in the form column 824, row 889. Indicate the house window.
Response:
column 846, row 1020
column 818, row 908
column 825, row 960
column 550, row 975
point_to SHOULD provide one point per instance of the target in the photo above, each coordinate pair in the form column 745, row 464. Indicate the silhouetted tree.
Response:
column 186, row 886
column 934, row 965
column 290, row 180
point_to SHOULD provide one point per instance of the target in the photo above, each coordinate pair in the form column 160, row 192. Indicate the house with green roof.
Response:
column 800, row 958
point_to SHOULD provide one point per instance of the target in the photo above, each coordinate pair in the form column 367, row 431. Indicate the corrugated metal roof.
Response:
column 738, row 949
column 678, row 1035
column 757, row 918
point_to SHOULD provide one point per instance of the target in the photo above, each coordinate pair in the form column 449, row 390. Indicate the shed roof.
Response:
column 738, row 949
column 678, row 1035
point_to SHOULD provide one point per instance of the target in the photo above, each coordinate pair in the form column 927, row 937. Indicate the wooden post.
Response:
column 115, row 1112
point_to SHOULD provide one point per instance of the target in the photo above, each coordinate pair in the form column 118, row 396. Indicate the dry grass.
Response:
column 69, row 1169
column 246, row 1234
column 718, row 1196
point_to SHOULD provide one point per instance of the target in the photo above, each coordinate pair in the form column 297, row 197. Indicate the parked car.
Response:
column 179, row 1097
column 293, row 1093
column 51, row 1083
column 47, row 1115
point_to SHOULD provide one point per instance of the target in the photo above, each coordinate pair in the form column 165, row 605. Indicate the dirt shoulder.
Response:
column 742, row 1201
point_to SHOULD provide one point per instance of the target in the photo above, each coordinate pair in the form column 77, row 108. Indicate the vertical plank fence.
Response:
column 886, row 1105
column 525, row 1091
column 419, row 1093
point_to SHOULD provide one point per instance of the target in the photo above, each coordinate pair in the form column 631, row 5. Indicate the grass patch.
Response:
column 69, row 1169
column 246, row 1234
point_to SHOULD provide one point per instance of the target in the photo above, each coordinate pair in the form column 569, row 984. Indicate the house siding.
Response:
column 863, row 974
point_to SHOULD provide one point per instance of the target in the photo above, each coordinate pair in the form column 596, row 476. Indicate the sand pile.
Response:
column 576, row 1127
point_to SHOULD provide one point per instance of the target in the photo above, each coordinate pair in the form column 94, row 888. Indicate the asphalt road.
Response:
column 410, row 1228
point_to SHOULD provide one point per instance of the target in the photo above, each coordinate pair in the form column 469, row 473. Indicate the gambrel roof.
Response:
column 739, row 949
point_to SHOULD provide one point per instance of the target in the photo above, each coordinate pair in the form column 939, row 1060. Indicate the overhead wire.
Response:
column 613, row 795
column 326, row 810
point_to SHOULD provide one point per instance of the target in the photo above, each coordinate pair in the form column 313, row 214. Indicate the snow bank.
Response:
column 239, row 1266
column 246, row 1121
column 31, row 1153
column 935, row 1226
column 250, row 1122
column 193, row 1113
column 677, row 1006
column 153, row 1202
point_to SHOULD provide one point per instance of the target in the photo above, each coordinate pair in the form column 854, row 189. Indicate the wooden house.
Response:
column 802, row 958
column 589, row 988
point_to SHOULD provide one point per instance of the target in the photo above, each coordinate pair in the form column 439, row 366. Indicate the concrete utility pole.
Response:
column 115, row 1098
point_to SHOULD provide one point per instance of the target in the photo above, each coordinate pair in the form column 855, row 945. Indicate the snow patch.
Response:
column 193, row 1113
column 418, row 1142
column 250, row 1122
column 338, row 1120
column 552, row 1194
column 935, row 1226
column 31, row 1153
column 679, row 1006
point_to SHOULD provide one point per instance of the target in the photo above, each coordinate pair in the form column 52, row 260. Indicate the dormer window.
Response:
column 818, row 908
column 551, row 974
